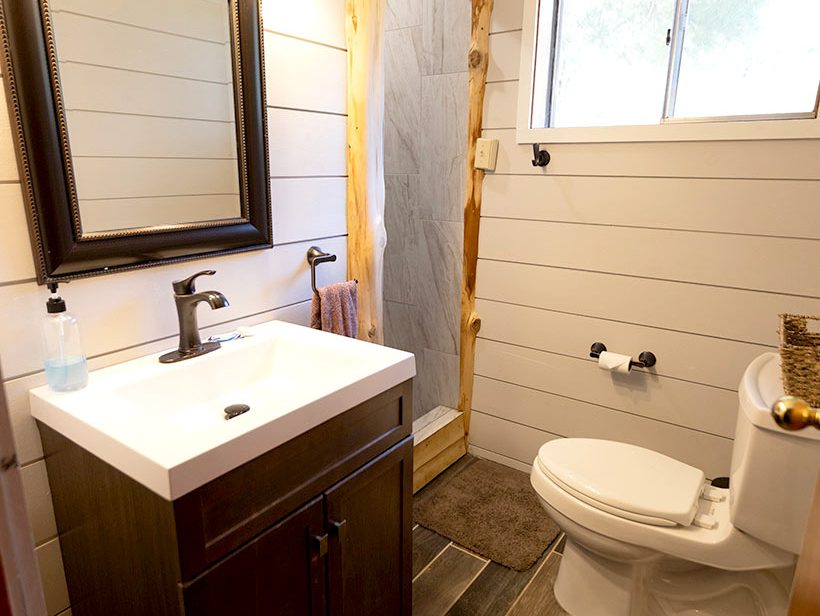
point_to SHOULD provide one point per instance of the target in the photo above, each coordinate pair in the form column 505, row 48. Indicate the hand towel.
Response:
column 335, row 309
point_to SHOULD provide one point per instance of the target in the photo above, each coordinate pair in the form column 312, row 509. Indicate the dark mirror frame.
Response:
column 35, row 109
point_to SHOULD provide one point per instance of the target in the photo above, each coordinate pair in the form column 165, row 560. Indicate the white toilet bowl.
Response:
column 647, row 535
column 614, row 566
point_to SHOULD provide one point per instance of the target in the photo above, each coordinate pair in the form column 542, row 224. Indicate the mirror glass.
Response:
column 148, row 94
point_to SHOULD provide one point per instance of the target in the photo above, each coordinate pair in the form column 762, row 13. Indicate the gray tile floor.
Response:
column 450, row 580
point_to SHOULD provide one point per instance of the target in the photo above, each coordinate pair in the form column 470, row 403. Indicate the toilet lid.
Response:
column 628, row 481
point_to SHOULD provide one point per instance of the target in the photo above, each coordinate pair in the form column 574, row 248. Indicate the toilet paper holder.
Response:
column 646, row 359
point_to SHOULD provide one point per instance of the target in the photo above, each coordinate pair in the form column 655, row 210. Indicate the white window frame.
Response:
column 734, row 128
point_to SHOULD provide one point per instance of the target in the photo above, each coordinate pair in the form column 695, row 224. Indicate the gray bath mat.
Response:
column 487, row 508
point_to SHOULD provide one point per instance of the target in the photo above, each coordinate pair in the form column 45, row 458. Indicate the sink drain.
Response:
column 233, row 410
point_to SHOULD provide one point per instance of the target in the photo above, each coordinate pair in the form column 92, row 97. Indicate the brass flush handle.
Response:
column 792, row 413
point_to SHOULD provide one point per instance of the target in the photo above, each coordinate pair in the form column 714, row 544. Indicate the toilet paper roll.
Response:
column 615, row 362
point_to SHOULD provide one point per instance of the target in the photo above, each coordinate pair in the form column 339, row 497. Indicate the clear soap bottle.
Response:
column 65, row 363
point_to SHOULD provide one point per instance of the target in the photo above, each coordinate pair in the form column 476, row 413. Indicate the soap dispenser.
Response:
column 65, row 364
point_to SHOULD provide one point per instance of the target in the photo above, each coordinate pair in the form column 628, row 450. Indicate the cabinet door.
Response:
column 281, row 572
column 369, row 521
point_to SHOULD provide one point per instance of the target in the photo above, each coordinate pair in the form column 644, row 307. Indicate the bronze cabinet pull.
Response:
column 320, row 544
column 339, row 529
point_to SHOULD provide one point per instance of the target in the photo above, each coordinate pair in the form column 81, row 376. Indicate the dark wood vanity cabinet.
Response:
column 345, row 550
column 366, row 558
column 320, row 525
column 280, row 572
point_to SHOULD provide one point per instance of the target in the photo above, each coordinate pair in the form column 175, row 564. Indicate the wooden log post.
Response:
column 470, row 321
column 366, row 235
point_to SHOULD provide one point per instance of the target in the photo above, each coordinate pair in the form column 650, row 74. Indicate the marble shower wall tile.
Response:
column 447, row 25
column 418, row 388
column 426, row 46
column 439, row 284
column 402, row 100
column 438, row 381
column 402, row 223
column 402, row 328
column 402, row 14
column 443, row 146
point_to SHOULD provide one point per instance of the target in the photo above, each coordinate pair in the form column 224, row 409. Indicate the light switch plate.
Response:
column 486, row 152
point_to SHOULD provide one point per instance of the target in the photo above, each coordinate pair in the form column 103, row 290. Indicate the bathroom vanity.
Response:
column 316, row 521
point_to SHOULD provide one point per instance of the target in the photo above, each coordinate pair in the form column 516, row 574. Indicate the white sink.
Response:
column 164, row 424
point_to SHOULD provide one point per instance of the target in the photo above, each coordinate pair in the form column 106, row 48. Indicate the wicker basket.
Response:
column 800, row 357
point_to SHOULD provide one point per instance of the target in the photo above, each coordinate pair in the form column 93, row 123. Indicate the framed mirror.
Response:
column 141, row 130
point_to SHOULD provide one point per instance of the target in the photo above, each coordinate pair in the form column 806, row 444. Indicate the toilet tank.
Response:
column 773, row 471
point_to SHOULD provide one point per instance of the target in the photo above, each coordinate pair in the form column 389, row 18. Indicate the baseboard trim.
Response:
column 480, row 452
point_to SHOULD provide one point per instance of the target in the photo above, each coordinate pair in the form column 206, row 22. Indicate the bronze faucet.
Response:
column 187, row 300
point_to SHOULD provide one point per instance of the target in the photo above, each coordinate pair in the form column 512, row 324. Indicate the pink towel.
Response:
column 335, row 309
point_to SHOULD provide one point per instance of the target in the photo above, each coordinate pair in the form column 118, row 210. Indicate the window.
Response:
column 608, row 63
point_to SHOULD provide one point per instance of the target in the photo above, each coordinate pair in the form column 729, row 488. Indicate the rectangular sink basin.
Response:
column 164, row 424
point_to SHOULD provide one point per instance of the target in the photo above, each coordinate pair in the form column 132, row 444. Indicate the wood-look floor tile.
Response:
column 538, row 599
column 443, row 582
column 426, row 546
column 493, row 591
column 497, row 588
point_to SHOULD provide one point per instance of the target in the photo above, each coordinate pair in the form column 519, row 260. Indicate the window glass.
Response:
column 746, row 57
column 611, row 62
column 621, row 62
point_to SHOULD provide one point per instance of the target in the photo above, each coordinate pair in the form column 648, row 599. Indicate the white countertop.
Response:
column 163, row 424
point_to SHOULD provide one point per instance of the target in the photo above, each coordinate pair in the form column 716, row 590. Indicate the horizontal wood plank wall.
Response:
column 130, row 314
column 142, row 95
column 688, row 250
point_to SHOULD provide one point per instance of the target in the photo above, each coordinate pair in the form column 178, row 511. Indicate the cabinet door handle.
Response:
column 339, row 528
column 320, row 544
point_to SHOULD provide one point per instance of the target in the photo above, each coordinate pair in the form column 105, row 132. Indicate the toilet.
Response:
column 649, row 535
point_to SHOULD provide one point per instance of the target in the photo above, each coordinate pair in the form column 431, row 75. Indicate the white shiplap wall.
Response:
column 689, row 250
column 132, row 313
column 150, row 111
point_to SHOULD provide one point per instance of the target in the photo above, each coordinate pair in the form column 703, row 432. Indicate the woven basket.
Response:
column 800, row 357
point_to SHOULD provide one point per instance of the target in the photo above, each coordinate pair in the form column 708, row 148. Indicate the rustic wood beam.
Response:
column 366, row 235
column 470, row 321
column 438, row 441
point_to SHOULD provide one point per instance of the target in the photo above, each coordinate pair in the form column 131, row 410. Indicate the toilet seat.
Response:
column 723, row 546
column 627, row 481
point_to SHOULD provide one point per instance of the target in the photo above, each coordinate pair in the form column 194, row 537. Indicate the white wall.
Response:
column 689, row 250
column 131, row 314
column 149, row 107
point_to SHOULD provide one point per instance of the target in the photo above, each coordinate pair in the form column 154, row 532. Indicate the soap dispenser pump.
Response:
column 65, row 363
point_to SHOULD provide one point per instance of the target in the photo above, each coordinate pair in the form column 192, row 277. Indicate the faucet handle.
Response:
column 186, row 286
